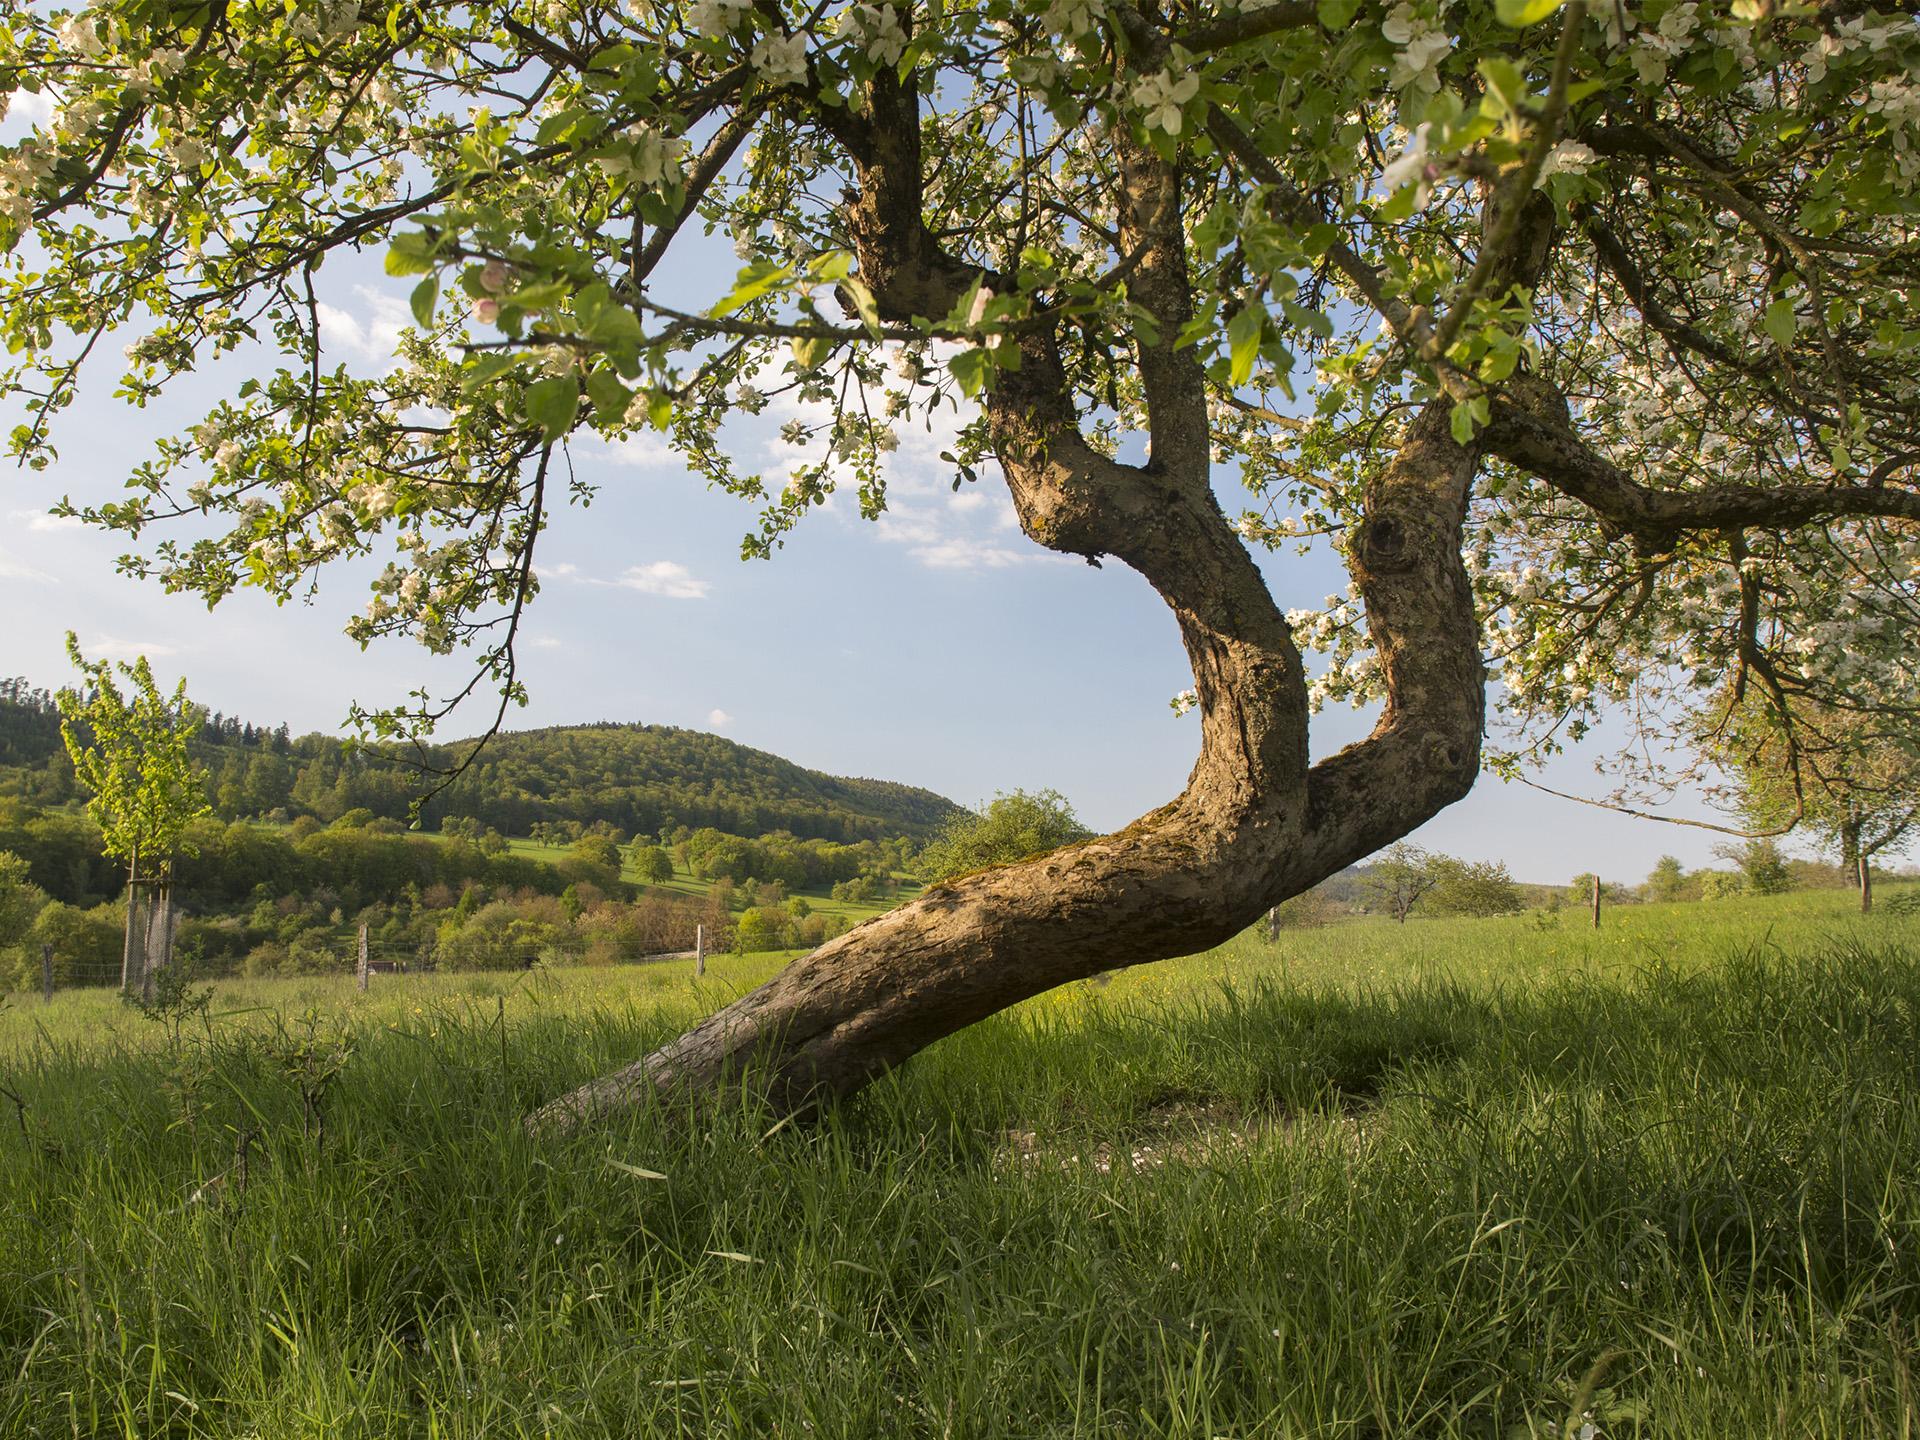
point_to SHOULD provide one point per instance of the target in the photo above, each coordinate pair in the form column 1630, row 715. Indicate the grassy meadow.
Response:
column 684, row 883
column 1494, row 1178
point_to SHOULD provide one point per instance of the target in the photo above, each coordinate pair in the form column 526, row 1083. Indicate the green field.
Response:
column 1482, row 1178
column 684, row 883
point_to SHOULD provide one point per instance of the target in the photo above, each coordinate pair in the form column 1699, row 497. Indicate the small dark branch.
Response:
column 1663, row 819
column 1248, row 25
column 714, row 159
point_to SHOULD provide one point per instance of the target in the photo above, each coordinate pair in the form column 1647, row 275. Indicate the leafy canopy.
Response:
column 1718, row 350
column 1011, row 828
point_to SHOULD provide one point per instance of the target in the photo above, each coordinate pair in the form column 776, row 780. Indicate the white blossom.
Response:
column 780, row 59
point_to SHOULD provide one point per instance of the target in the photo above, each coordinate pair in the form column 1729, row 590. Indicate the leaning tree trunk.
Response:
column 1256, row 823
column 1866, row 883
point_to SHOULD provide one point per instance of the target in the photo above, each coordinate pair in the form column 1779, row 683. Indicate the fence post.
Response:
column 1596, row 902
column 46, row 972
column 360, row 970
column 699, row 951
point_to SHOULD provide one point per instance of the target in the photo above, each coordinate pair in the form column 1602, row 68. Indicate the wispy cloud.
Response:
column 11, row 569
column 645, row 451
column 717, row 717
column 108, row 647
column 39, row 521
column 968, row 553
column 368, row 336
column 27, row 109
column 546, row 642
column 664, row 577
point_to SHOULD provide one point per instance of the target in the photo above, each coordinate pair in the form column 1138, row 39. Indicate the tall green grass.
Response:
column 1476, row 1179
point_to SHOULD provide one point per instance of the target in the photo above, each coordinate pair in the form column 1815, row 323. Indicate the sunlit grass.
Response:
column 1452, row 1178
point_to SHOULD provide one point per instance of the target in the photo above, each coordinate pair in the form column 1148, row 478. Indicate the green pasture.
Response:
column 1455, row 1178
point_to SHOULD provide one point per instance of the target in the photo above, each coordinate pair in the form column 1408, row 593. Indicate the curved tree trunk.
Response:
column 1255, row 823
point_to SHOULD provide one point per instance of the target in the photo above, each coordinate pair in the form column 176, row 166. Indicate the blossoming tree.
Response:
column 1587, row 336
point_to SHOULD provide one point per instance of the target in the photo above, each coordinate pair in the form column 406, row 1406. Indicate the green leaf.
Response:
column 410, row 253
column 970, row 369
column 1336, row 14
column 751, row 283
column 810, row 351
column 636, row 1171
column 863, row 302
column 543, row 296
column 1243, row 336
column 833, row 266
column 425, row 296
column 1780, row 322
column 1461, row 422
column 659, row 408
column 1504, row 80
column 610, row 398
column 482, row 368
column 552, row 404
column 1520, row 13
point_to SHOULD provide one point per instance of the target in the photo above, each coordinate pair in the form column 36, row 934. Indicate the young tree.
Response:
column 1763, row 868
column 1472, row 887
column 1667, row 880
column 1399, row 878
column 1607, row 321
column 131, row 754
column 1850, row 774
column 651, row 863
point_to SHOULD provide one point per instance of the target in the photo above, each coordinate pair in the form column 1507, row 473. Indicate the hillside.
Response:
column 637, row 778
column 643, row 778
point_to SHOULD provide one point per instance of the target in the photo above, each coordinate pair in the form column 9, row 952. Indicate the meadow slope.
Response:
column 1478, row 1178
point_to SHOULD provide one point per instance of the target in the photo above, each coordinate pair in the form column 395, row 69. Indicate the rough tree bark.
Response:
column 1256, row 822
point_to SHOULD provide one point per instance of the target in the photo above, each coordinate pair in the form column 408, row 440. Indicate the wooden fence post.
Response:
column 46, row 972
column 699, row 951
column 360, row 971
column 1596, row 902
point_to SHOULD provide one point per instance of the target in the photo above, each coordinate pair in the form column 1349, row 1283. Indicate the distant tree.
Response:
column 596, row 850
column 1763, row 868
column 1850, row 776
column 1398, row 879
column 1468, row 887
column 131, row 754
column 20, row 900
column 651, row 863
column 1308, row 910
column 1012, row 828
column 1667, row 880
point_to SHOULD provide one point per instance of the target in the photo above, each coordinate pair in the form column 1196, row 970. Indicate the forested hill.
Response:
column 640, row 779
column 643, row 778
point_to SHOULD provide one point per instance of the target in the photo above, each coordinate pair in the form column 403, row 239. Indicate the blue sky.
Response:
column 937, row 646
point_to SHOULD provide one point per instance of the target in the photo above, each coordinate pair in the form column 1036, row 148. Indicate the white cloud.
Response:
column 644, row 451
column 545, row 642
column 14, row 570
column 717, row 717
column 370, row 336
column 39, row 521
column 664, row 577
column 27, row 109
column 107, row 647
column 563, row 571
column 963, row 553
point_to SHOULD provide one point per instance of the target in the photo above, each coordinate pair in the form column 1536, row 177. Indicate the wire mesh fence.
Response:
column 49, row 967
